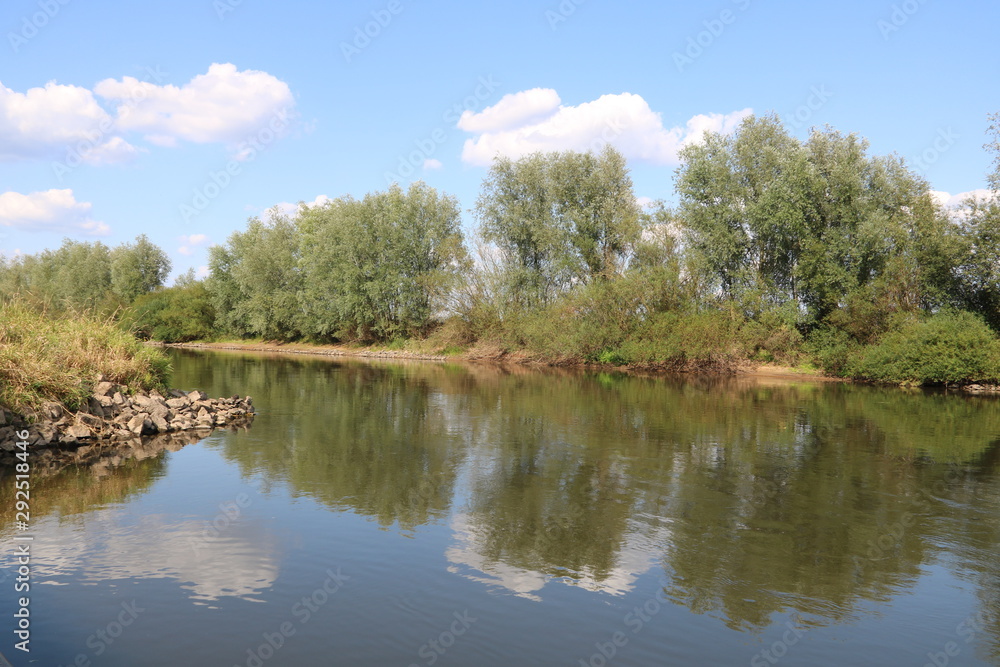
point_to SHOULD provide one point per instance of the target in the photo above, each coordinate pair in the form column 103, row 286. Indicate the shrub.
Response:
column 174, row 315
column 679, row 340
column 831, row 348
column 952, row 347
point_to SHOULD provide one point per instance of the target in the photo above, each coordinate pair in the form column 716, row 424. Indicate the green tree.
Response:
column 75, row 276
column 558, row 219
column 138, row 268
column 819, row 225
column 255, row 279
column 380, row 267
column 979, row 274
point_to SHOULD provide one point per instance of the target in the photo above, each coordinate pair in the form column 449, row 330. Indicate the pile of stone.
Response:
column 112, row 413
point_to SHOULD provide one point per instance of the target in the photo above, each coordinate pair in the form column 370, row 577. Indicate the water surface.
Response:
column 442, row 514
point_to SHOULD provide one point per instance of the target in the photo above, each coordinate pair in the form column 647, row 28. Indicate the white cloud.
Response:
column 645, row 202
column 50, row 211
column 431, row 163
column 535, row 120
column 224, row 105
column 948, row 200
column 289, row 209
column 202, row 272
column 517, row 109
column 66, row 122
column 47, row 122
column 190, row 242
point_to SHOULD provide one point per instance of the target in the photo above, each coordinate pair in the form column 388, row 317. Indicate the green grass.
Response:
column 58, row 358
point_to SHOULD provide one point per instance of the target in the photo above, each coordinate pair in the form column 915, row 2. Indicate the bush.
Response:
column 174, row 315
column 832, row 349
column 686, row 341
column 44, row 358
column 953, row 347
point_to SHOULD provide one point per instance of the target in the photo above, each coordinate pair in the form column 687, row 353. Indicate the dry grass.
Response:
column 49, row 358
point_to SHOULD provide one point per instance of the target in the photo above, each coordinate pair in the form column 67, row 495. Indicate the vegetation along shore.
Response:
column 70, row 380
column 813, row 255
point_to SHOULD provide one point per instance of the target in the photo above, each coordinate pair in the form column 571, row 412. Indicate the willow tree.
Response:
column 255, row 279
column 380, row 267
column 980, row 270
column 557, row 220
column 138, row 268
column 76, row 276
column 819, row 225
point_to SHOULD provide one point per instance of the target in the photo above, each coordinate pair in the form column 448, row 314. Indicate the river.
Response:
column 394, row 513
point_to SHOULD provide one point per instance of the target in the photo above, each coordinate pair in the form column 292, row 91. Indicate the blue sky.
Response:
column 181, row 120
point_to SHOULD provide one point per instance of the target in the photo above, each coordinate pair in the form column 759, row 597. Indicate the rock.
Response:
column 79, row 431
column 160, row 411
column 142, row 401
column 136, row 424
column 159, row 423
column 95, row 408
column 93, row 421
column 197, row 395
column 104, row 389
column 119, row 398
column 177, row 403
column 52, row 410
column 46, row 431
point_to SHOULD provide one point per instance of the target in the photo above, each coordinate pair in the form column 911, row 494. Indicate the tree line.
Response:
column 86, row 276
column 787, row 250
